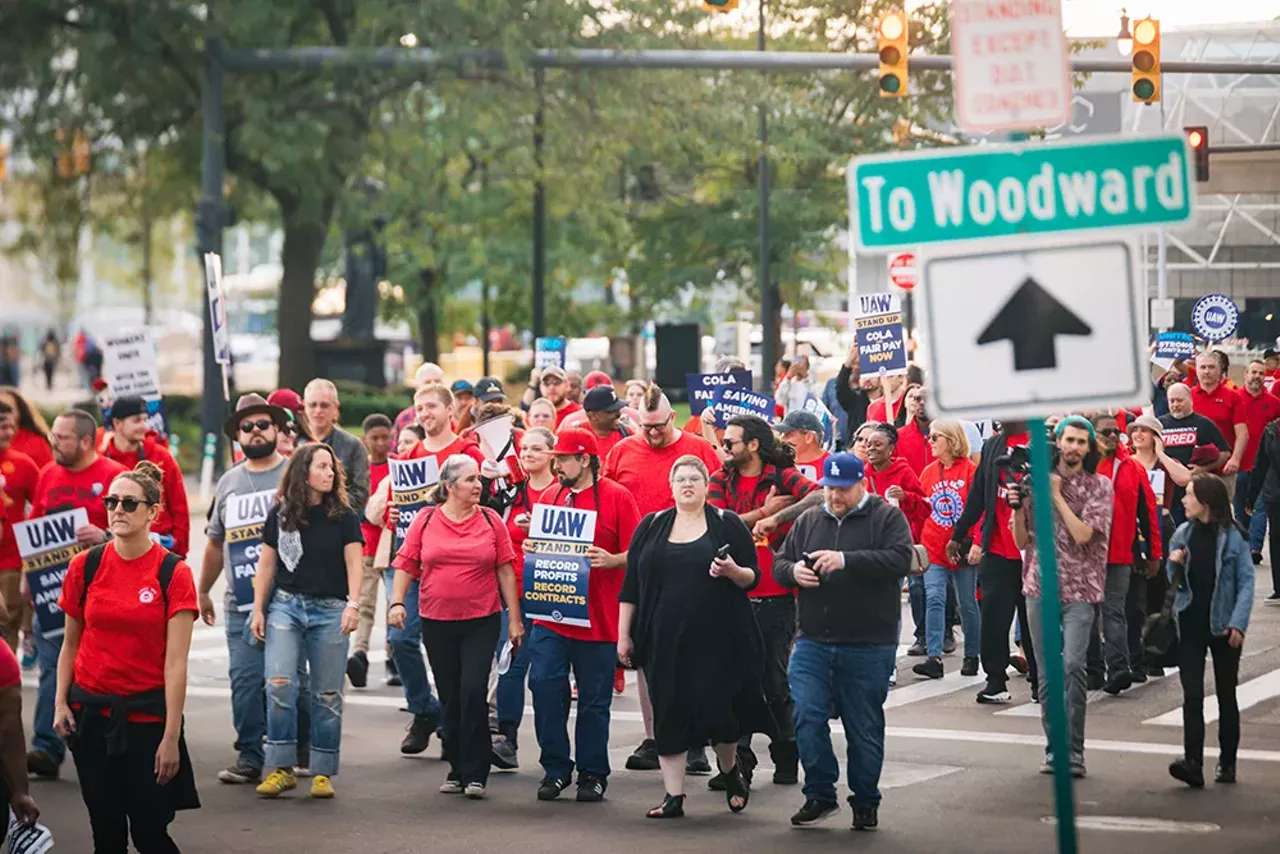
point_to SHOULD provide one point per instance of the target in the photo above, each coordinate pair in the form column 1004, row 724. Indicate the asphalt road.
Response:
column 958, row 777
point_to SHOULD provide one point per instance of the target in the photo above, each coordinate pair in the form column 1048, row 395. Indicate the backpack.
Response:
column 167, row 566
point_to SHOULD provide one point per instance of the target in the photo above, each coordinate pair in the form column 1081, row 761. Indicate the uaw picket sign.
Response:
column 245, row 516
column 702, row 387
column 1015, row 330
column 900, row 200
column 557, row 572
column 47, row 545
column 411, row 483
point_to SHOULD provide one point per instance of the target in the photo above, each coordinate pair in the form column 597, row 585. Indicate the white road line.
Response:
column 1032, row 710
column 928, row 689
column 1248, row 695
column 1090, row 744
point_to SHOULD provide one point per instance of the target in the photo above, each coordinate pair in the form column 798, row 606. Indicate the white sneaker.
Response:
column 451, row 787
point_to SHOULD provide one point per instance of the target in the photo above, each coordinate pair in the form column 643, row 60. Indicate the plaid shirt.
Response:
column 724, row 492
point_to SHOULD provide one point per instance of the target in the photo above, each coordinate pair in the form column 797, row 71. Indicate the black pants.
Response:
column 776, row 617
column 1002, row 598
column 461, row 652
column 121, row 792
column 1273, row 518
column 1193, row 642
column 1135, row 608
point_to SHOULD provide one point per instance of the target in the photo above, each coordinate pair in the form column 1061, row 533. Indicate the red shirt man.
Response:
column 555, row 388
column 1222, row 405
column 803, row 432
column 79, row 476
column 642, row 464
column 1260, row 408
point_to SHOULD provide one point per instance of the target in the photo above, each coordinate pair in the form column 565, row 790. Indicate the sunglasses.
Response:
column 111, row 502
column 262, row 424
column 1109, row 431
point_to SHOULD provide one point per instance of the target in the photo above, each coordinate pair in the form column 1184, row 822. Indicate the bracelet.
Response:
column 352, row 603
column 396, row 605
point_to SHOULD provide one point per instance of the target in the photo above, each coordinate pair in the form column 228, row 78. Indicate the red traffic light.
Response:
column 1198, row 142
column 1195, row 139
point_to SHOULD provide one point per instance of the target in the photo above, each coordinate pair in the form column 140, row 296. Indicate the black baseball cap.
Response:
column 602, row 398
column 1270, row 353
column 488, row 390
column 127, row 407
column 798, row 419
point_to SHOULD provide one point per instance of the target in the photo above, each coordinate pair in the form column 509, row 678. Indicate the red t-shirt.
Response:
column 645, row 472
column 457, row 563
column 946, row 491
column 565, row 411
column 10, row 671
column 616, row 520
column 125, row 621
column 1258, row 413
column 18, row 476
column 33, row 445
column 813, row 468
column 608, row 443
column 460, row 445
column 1002, row 543
column 59, row 488
column 878, row 410
column 371, row 532
column 1223, row 407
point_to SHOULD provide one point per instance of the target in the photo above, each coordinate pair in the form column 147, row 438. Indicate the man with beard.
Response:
column 245, row 493
column 554, row 384
column 129, row 442
column 1260, row 408
column 1083, row 507
column 1187, row 432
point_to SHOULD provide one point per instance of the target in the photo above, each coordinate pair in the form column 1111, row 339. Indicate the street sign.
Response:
column 1010, row 63
column 905, row 199
column 1014, row 329
column 902, row 270
column 1215, row 317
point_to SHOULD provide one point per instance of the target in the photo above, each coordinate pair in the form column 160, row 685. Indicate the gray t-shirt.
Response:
column 238, row 481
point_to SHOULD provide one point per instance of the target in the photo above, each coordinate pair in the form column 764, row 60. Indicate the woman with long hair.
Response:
column 306, row 608
column 1212, row 573
column 32, row 437
column 462, row 556
column 130, row 605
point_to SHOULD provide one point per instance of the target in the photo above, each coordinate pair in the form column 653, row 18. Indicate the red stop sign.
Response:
column 902, row 270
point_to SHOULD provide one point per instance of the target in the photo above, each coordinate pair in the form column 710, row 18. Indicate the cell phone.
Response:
column 722, row 552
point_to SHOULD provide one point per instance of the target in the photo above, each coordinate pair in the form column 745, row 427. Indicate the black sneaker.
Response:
column 591, row 788
column 358, row 670
column 864, row 817
column 419, row 735
column 1273, row 599
column 1118, row 682
column 930, row 669
column 1155, row 670
column 696, row 762
column 645, row 757
column 1257, row 558
column 970, row 666
column 42, row 764
column 994, row 695
column 814, row 811
column 917, row 650
column 1097, row 681
column 949, row 642
column 240, row 773
column 1225, row 773
column 393, row 675
column 549, row 789
column 1137, row 677
column 503, row 754
column 1191, row 773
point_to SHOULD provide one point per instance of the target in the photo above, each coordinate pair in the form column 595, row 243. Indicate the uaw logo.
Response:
column 557, row 616
column 1215, row 317
column 147, row 595
column 946, row 504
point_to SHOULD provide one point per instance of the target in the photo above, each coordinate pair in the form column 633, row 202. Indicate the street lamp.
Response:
column 1125, row 39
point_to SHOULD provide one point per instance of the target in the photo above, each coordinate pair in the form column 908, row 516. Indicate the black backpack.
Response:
column 94, row 558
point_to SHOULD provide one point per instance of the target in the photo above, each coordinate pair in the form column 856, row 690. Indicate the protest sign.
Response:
column 131, row 369
column 878, row 329
column 702, row 387
column 549, row 351
column 245, row 515
column 728, row 401
column 557, row 572
column 47, row 545
column 1171, row 346
column 221, row 332
column 411, row 483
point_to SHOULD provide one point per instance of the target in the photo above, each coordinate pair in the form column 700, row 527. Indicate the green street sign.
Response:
column 946, row 194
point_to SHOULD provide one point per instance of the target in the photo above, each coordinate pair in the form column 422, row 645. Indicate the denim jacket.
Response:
column 1233, row 581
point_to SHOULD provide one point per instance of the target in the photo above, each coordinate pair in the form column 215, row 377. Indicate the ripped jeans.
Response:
column 307, row 626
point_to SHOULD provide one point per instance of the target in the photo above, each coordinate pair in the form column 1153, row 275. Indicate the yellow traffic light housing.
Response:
column 891, row 36
column 719, row 5
column 4, row 161
column 1146, row 61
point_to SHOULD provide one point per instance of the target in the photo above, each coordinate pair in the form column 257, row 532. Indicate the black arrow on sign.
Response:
column 1031, row 320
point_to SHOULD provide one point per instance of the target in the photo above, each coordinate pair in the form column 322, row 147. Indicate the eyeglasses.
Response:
column 552, row 381
column 261, row 424
column 111, row 502
column 1109, row 431
column 684, row 480
column 654, row 428
column 288, row 429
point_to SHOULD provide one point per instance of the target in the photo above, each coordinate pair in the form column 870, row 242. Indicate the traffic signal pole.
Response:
column 768, row 293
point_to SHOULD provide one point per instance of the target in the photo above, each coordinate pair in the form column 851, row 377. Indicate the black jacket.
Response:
column 1266, row 466
column 862, row 602
column 853, row 400
column 983, row 494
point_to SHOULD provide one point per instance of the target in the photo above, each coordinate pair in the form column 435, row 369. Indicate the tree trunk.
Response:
column 303, row 243
column 428, row 322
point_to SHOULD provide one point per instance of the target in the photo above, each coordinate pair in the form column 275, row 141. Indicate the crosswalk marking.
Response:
column 1032, row 710
column 1248, row 695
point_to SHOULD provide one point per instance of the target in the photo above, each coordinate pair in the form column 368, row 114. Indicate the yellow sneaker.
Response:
column 280, row 781
column 321, row 787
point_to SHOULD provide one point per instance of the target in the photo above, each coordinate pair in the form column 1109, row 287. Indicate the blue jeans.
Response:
column 248, row 696
column 406, row 651
column 915, row 596
column 305, row 628
column 44, row 738
column 853, row 678
column 593, row 662
column 936, row 581
column 1258, row 521
column 510, row 693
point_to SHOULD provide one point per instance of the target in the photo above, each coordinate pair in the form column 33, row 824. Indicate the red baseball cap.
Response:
column 286, row 398
column 574, row 441
column 596, row 378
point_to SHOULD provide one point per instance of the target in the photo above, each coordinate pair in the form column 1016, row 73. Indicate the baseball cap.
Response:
column 462, row 387
column 596, row 378
column 285, row 398
column 1270, row 353
column 574, row 441
column 798, row 419
column 602, row 398
column 127, row 407
column 554, row 371
column 841, row 470
column 489, row 390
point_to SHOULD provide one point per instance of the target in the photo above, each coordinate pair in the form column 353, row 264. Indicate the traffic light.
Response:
column 719, row 5
column 1146, row 61
column 4, row 161
column 891, row 34
column 1198, row 142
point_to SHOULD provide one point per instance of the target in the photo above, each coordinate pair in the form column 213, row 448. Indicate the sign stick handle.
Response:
column 1050, row 648
column 226, row 388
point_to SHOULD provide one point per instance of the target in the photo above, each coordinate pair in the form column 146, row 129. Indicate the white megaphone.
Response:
column 496, row 437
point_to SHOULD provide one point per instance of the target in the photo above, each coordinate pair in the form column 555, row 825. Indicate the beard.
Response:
column 567, row 482
column 259, row 452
